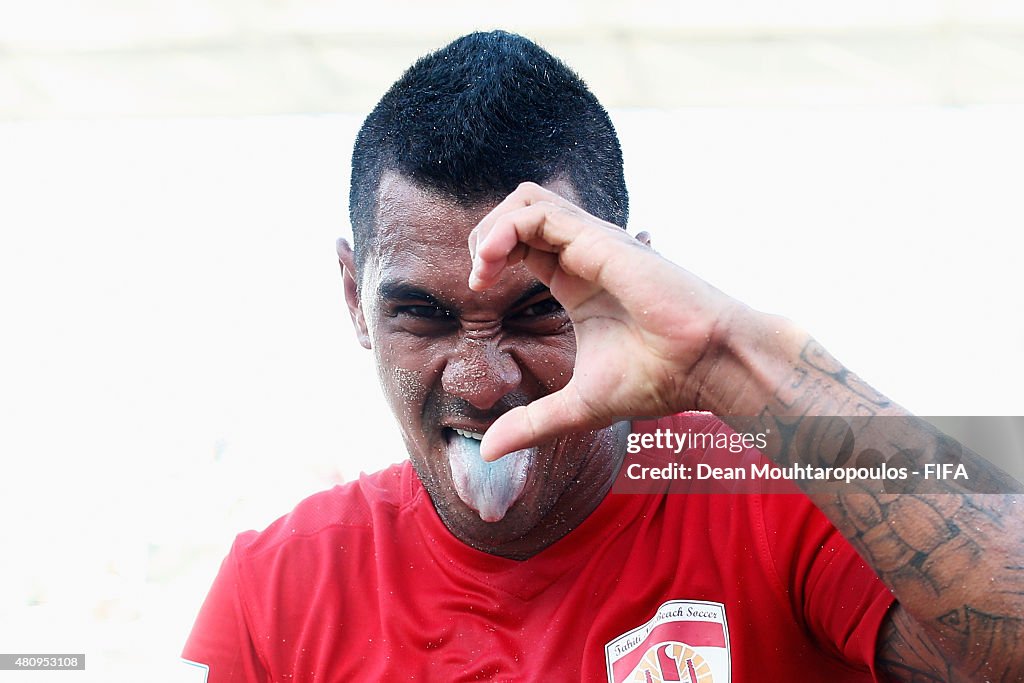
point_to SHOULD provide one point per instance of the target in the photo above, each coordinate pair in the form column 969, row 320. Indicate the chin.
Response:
column 467, row 525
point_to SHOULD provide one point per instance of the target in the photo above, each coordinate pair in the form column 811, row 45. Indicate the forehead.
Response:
column 421, row 238
column 409, row 216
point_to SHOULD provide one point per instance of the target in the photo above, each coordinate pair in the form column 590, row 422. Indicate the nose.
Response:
column 480, row 373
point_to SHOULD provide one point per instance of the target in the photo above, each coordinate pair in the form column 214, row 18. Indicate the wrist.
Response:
column 749, row 356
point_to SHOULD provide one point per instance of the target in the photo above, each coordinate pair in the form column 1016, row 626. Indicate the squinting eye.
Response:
column 424, row 311
column 541, row 308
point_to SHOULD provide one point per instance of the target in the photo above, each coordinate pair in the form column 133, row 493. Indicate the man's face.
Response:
column 453, row 359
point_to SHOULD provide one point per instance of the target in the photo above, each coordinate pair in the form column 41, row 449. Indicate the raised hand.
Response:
column 641, row 322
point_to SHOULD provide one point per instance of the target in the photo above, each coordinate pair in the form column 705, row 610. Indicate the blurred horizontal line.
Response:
column 605, row 35
column 341, row 72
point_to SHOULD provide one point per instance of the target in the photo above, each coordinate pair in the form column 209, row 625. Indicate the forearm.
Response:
column 953, row 557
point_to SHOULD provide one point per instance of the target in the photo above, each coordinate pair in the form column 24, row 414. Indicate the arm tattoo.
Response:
column 905, row 656
column 954, row 557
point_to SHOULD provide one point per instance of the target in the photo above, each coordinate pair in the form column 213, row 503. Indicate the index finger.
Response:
column 540, row 226
column 526, row 194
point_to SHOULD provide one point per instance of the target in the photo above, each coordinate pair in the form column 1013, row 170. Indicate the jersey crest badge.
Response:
column 685, row 641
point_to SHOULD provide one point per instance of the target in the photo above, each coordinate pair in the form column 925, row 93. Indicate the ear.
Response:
column 347, row 261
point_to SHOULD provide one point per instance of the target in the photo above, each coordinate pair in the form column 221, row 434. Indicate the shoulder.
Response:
column 323, row 544
column 296, row 576
column 346, row 510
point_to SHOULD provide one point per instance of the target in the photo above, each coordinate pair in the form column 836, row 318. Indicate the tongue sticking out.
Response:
column 490, row 488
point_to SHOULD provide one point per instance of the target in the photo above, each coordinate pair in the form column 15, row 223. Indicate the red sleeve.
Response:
column 220, row 638
column 832, row 590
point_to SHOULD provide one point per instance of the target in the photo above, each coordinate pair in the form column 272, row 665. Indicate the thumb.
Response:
column 532, row 424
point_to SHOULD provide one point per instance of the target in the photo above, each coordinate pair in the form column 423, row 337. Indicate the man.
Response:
column 511, row 315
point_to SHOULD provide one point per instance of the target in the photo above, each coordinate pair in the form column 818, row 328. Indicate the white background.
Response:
column 176, row 363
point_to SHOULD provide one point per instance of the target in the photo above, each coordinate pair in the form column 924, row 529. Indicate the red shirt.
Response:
column 364, row 582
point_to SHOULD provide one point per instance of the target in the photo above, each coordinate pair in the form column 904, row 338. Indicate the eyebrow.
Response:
column 533, row 290
column 398, row 290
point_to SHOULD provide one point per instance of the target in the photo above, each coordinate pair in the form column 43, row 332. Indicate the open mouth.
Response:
column 489, row 488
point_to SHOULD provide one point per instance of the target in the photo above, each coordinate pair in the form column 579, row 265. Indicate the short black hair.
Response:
column 479, row 116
